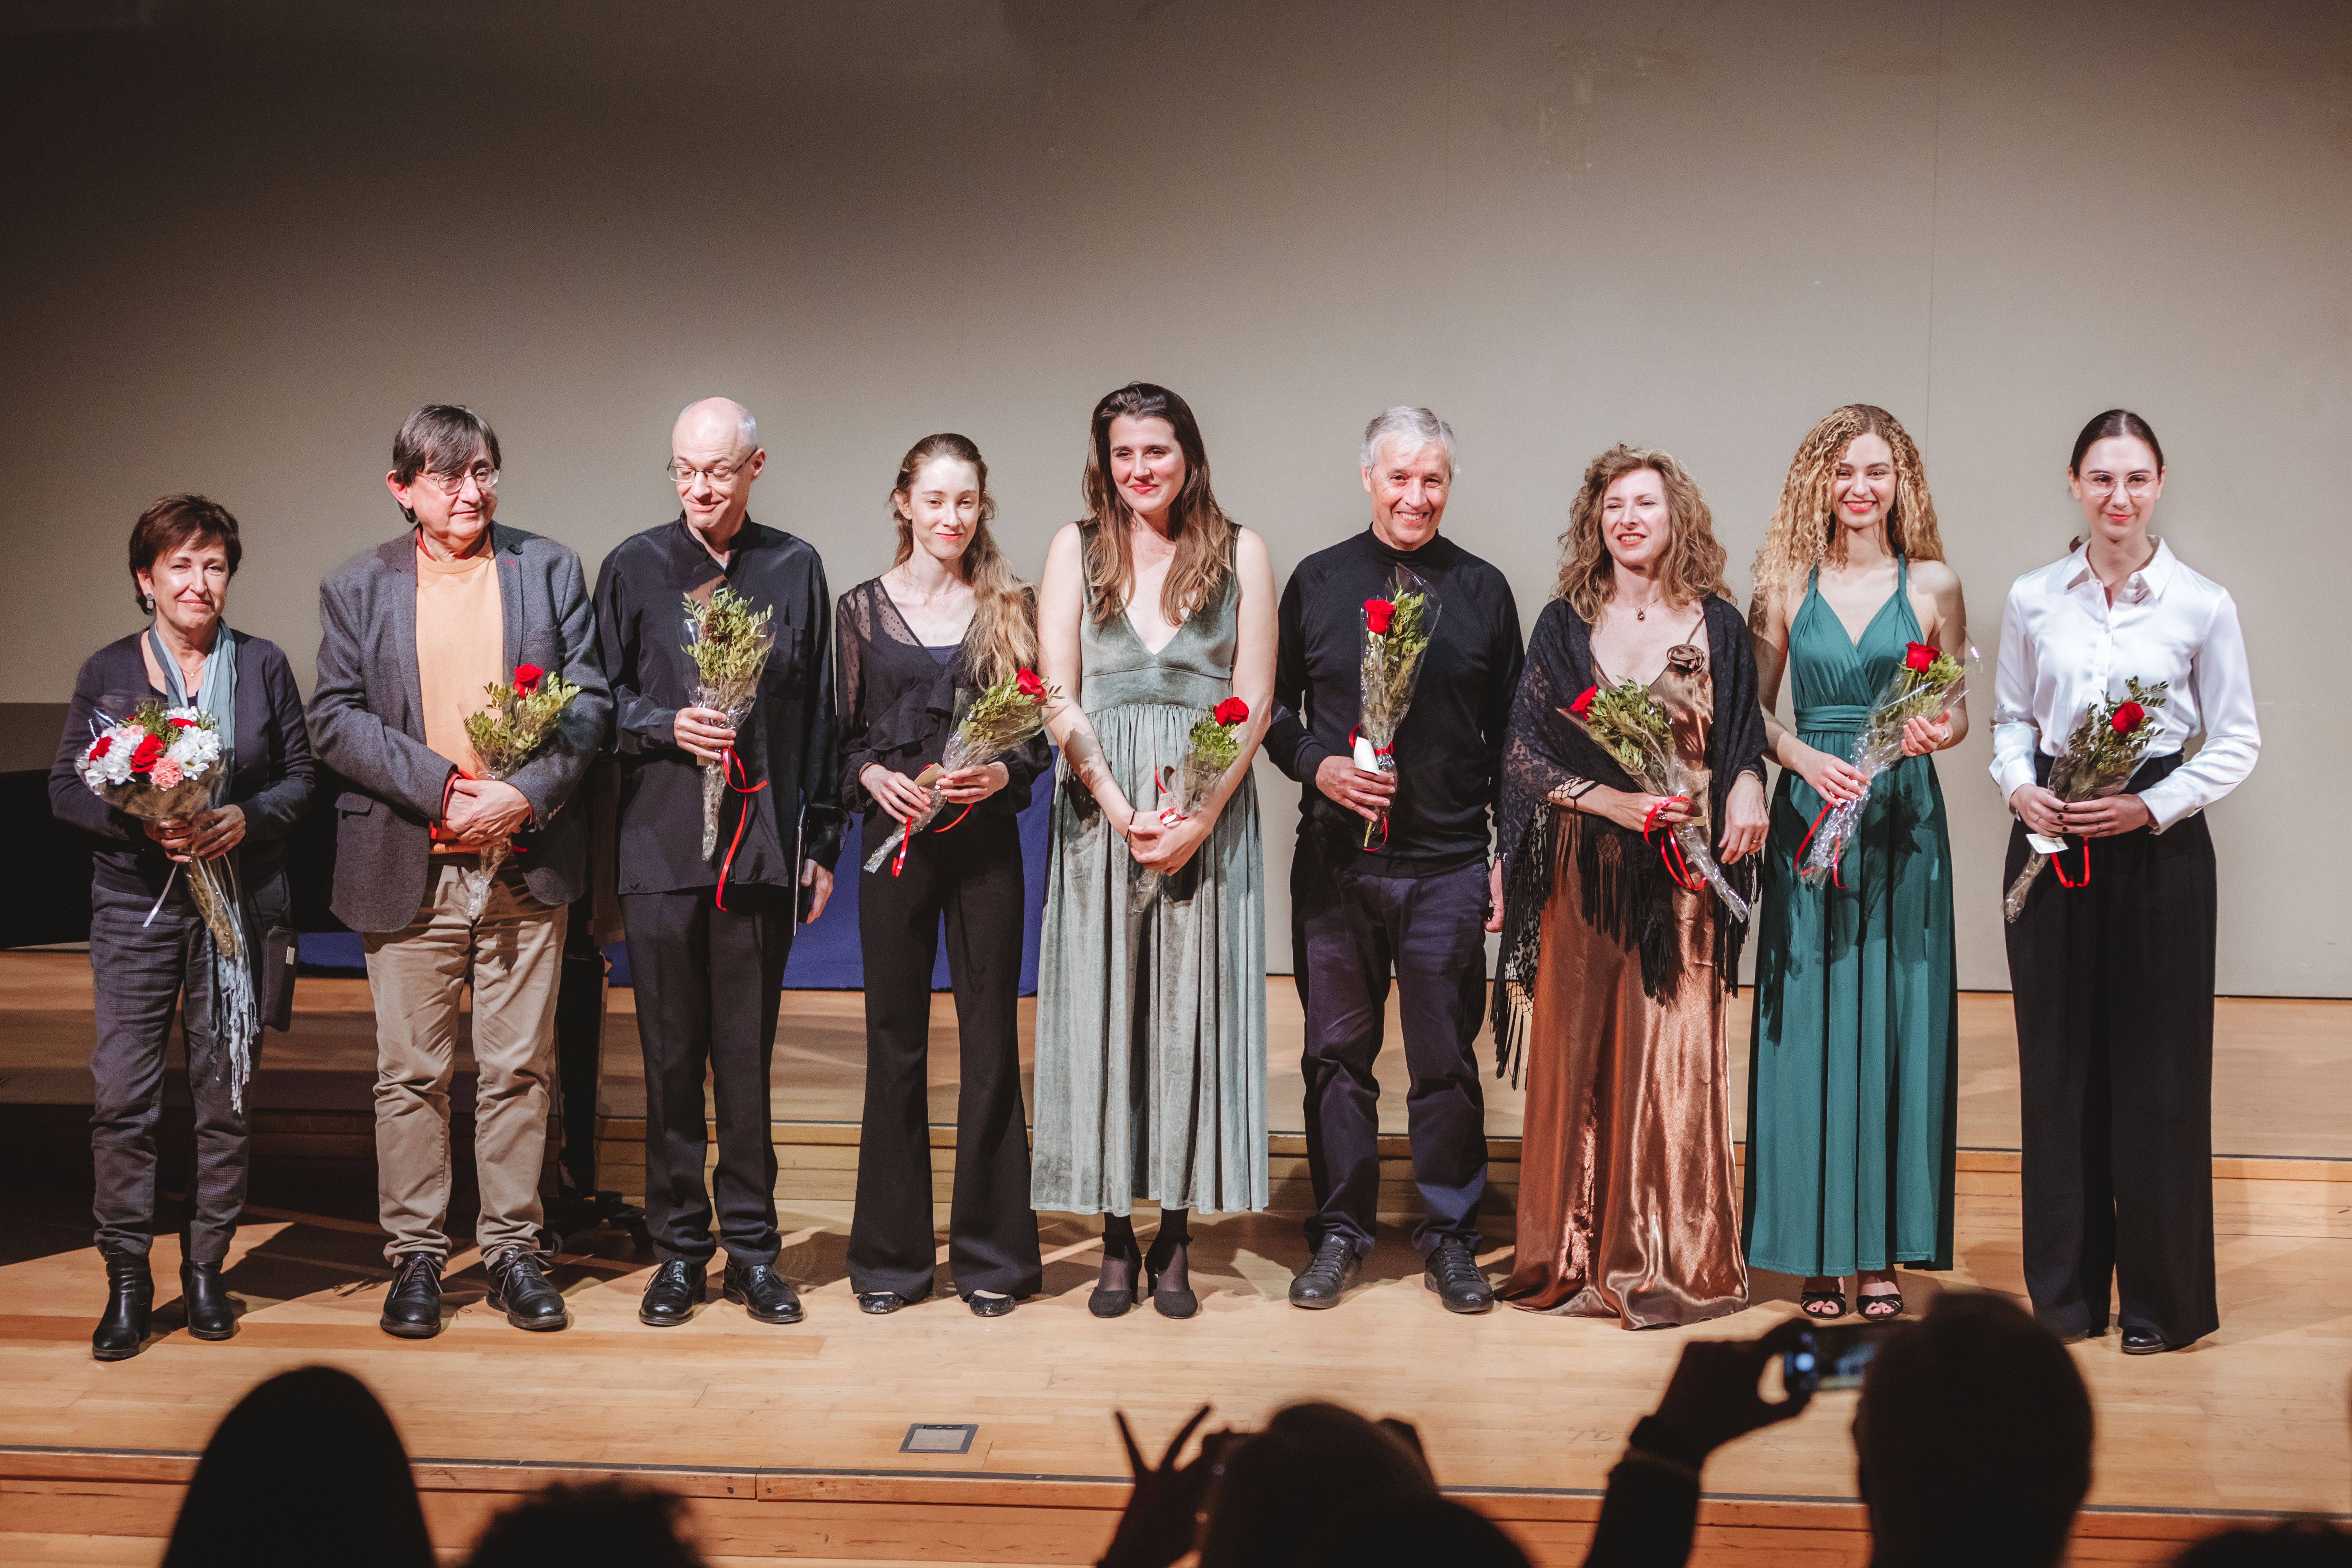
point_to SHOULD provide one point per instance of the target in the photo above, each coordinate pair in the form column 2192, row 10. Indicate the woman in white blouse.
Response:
column 2113, row 974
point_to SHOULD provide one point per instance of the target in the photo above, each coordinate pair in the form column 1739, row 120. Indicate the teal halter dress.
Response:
column 1853, row 1066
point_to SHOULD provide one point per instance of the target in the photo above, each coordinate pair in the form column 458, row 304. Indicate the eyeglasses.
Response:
column 720, row 475
column 485, row 478
column 2105, row 484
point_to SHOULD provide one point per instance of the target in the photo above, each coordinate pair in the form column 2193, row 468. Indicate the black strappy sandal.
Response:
column 1811, row 1302
column 1881, row 1308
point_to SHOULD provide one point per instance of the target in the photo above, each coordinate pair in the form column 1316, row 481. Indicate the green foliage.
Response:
column 731, row 639
column 154, row 717
column 1212, row 743
column 1919, row 694
column 1002, row 717
column 516, row 724
column 2097, row 753
column 1633, row 728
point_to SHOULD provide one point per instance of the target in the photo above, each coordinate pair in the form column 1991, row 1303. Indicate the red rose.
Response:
column 1031, row 686
column 1918, row 656
column 184, row 723
column 1377, row 613
column 1583, row 704
column 105, row 744
column 1231, row 712
column 151, row 748
column 2128, row 717
column 527, row 677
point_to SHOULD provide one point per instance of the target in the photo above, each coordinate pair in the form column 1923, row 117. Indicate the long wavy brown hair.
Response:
column 1804, row 532
column 1204, row 535
column 1694, row 563
column 1003, row 637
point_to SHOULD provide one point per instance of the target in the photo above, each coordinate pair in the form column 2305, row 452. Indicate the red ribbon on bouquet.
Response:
column 2058, row 864
column 898, row 862
column 1837, row 867
column 738, row 779
column 1669, row 852
column 1381, row 822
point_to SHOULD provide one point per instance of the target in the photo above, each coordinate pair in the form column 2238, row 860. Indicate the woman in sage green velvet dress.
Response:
column 1853, row 1057
column 1152, row 1011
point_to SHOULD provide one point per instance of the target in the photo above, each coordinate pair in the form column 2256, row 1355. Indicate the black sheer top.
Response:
column 898, row 704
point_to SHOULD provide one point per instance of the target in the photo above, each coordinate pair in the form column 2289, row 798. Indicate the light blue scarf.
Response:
column 216, row 695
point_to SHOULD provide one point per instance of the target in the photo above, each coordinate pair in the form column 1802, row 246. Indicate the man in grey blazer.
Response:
column 411, row 634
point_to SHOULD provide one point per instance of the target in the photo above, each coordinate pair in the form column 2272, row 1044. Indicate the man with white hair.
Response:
column 1392, row 865
column 708, row 934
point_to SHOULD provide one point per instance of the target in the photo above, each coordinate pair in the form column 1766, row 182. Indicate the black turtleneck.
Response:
column 1449, row 752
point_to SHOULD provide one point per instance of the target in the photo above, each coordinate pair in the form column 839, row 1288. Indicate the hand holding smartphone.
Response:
column 1830, row 1356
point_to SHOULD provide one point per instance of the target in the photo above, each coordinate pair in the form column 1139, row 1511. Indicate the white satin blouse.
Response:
column 2064, row 647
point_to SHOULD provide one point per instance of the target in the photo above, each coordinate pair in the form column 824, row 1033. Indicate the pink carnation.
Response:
column 165, row 776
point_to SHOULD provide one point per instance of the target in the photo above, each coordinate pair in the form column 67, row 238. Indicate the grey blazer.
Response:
column 367, row 723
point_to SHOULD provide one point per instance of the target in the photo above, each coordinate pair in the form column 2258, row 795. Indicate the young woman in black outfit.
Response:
column 948, row 616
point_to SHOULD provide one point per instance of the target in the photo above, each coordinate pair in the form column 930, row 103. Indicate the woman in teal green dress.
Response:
column 1853, row 1057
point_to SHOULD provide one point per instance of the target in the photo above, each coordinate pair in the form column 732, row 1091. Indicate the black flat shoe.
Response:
column 411, row 1308
column 519, row 1287
column 1322, row 1282
column 1452, row 1270
column 989, row 1306
column 2148, row 1341
column 882, row 1303
column 1116, row 1300
column 1169, row 1256
column 211, row 1315
column 121, row 1330
column 765, row 1296
column 673, row 1293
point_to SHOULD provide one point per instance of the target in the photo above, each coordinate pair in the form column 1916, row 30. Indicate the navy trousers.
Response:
column 1349, row 930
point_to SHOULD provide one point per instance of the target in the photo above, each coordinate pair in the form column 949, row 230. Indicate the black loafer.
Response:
column 411, row 1308
column 1452, row 1270
column 2147, row 1341
column 764, row 1295
column 519, row 1287
column 1322, row 1282
column 121, row 1330
column 204, row 1300
column 989, row 1306
column 673, row 1293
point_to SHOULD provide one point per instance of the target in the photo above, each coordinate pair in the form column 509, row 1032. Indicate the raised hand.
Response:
column 1163, row 1511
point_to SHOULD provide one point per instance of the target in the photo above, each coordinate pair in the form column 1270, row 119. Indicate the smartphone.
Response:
column 1831, row 1356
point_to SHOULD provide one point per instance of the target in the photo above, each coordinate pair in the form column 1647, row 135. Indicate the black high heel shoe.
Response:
column 1114, row 1301
column 1169, row 1254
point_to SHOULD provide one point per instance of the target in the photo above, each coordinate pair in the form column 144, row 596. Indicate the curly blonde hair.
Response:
column 1693, row 563
column 1804, row 532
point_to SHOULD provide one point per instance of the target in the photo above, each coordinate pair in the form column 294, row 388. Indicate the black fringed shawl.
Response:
column 1628, row 896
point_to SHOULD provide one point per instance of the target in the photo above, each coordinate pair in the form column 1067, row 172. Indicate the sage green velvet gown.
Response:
column 1852, row 1062
column 1152, row 1024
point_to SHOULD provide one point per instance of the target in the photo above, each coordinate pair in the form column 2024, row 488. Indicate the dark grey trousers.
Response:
column 139, row 975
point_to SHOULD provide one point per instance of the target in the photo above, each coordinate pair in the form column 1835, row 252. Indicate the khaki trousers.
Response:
column 512, row 957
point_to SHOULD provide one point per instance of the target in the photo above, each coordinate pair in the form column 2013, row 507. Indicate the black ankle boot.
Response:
column 1168, row 1259
column 206, row 1301
column 122, row 1332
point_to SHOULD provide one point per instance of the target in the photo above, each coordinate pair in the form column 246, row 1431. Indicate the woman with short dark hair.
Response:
column 149, row 949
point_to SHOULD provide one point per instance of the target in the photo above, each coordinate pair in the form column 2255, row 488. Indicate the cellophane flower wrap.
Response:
column 1623, row 720
column 2099, row 760
column 164, row 764
column 1928, row 685
column 1210, row 749
column 728, row 642
column 505, row 735
column 1004, row 716
column 1395, row 632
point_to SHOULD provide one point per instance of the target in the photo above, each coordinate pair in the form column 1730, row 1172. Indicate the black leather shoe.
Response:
column 2147, row 1341
column 1452, row 1272
column 989, row 1306
column 411, row 1308
column 206, row 1301
column 121, row 1330
column 764, row 1295
column 673, row 1293
column 519, row 1287
column 1322, row 1282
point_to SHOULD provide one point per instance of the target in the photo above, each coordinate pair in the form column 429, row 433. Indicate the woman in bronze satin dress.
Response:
column 1615, row 977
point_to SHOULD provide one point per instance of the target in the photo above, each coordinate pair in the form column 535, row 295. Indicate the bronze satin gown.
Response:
column 1628, row 1205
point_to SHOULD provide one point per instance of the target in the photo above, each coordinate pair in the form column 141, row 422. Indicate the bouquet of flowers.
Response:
column 505, row 735
column 1926, row 686
column 2100, row 758
column 163, row 764
column 728, row 642
column 1208, row 750
column 1002, row 717
column 1396, row 635
column 1626, row 722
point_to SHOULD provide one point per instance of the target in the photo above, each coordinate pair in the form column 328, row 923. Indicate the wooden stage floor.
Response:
column 788, row 1439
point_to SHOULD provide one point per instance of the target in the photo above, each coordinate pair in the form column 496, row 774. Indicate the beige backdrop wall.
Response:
column 243, row 240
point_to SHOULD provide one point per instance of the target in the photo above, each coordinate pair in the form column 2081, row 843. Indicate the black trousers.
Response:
column 2114, row 988
column 1348, row 927
column 972, row 875
column 708, row 982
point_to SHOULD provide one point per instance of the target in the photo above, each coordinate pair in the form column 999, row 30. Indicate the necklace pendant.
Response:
column 1641, row 615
